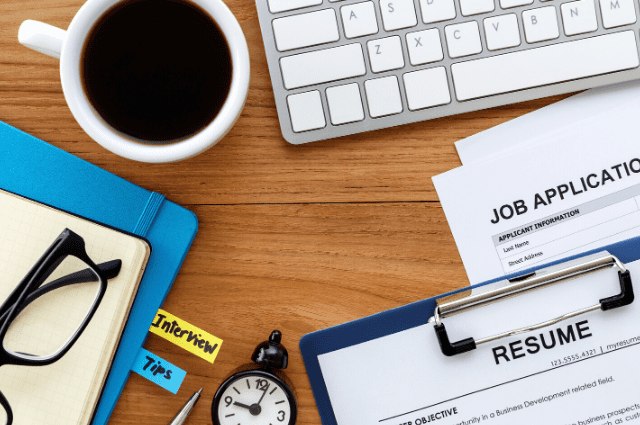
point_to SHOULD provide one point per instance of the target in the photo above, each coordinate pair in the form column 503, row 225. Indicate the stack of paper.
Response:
column 553, row 183
column 555, row 119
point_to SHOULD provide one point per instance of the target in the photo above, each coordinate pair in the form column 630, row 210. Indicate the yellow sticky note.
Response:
column 185, row 335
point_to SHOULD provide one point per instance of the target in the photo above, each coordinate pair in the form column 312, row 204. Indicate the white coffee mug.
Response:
column 68, row 47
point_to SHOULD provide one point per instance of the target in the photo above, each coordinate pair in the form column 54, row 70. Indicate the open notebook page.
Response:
column 67, row 391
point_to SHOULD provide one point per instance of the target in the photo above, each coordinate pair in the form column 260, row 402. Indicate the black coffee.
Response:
column 157, row 70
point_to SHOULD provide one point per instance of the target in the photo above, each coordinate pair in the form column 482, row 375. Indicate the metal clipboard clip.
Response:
column 499, row 291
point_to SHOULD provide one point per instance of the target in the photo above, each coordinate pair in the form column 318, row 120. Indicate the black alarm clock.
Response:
column 259, row 395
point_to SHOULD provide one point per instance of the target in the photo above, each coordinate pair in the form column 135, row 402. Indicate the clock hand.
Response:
column 263, row 393
column 244, row 406
column 254, row 409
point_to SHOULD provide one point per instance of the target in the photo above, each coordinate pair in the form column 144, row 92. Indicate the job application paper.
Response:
column 584, row 370
column 547, row 200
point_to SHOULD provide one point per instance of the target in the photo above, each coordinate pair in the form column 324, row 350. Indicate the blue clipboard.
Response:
column 402, row 318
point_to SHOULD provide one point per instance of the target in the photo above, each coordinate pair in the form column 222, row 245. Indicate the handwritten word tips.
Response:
column 158, row 371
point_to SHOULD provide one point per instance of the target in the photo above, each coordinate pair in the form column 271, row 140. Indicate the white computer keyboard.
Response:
column 340, row 67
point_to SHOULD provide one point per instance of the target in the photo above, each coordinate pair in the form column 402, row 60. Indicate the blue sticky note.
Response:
column 157, row 370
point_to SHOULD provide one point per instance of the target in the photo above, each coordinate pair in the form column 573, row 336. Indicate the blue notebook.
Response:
column 401, row 319
column 39, row 171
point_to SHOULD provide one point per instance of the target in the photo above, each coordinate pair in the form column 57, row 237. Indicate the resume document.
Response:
column 580, row 371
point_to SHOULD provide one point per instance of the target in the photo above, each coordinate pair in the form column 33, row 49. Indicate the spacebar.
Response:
column 545, row 65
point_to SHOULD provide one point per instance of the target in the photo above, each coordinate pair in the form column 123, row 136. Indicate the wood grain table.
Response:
column 296, row 238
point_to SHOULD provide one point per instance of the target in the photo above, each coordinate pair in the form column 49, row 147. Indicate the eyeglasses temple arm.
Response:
column 109, row 269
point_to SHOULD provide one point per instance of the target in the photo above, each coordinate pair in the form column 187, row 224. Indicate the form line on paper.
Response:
column 510, row 382
column 574, row 233
column 547, row 259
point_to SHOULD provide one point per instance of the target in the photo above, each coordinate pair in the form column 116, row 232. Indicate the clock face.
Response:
column 255, row 398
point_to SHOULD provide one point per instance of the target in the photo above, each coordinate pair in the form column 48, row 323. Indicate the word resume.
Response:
column 584, row 370
column 546, row 201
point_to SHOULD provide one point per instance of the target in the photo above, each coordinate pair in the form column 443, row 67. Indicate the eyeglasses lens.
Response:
column 47, row 324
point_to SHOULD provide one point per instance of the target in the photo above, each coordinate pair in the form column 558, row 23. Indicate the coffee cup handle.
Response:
column 41, row 37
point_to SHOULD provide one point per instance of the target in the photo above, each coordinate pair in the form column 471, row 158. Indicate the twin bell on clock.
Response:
column 259, row 394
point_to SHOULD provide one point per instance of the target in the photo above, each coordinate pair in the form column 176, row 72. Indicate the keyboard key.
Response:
column 540, row 24
column 506, row 4
column 502, row 32
column 616, row 13
column 579, row 17
column 308, row 29
column 545, row 65
column 323, row 66
column 427, row 88
column 476, row 7
column 398, row 14
column 359, row 19
column 424, row 47
column 463, row 39
column 437, row 10
column 385, row 54
column 276, row 6
column 306, row 111
column 383, row 96
column 345, row 104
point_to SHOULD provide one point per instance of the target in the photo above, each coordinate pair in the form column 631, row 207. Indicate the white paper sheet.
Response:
column 554, row 119
column 404, row 379
column 536, row 222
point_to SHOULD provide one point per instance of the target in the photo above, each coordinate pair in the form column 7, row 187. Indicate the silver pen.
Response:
column 182, row 414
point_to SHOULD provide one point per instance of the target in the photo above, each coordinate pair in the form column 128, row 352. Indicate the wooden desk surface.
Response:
column 296, row 238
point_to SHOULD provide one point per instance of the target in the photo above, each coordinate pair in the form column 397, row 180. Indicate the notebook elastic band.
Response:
column 149, row 214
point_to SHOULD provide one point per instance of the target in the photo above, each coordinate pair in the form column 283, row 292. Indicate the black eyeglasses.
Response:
column 32, row 332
